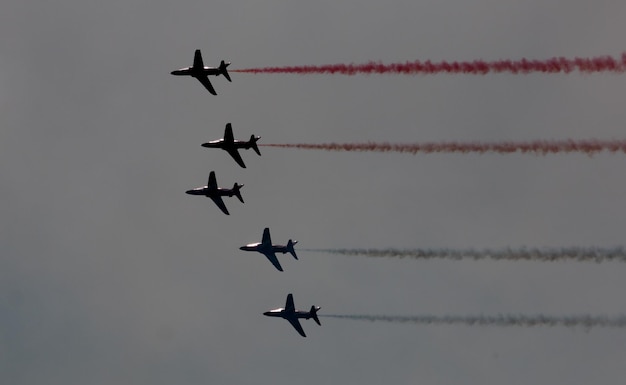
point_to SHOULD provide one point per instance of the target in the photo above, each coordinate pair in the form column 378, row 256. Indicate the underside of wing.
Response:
column 272, row 258
column 296, row 324
column 212, row 181
column 289, row 306
column 220, row 203
column 267, row 240
column 235, row 154
column 207, row 84
column 197, row 59
column 228, row 134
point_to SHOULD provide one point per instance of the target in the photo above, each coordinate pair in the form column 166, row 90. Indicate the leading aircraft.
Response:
column 292, row 315
column 231, row 146
column 266, row 248
column 216, row 193
column 200, row 72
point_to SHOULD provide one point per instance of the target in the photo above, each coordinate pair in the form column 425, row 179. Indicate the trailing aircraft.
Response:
column 292, row 315
column 266, row 248
column 216, row 193
column 231, row 146
column 200, row 72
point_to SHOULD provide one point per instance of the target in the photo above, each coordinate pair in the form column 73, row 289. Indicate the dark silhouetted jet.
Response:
column 200, row 72
column 231, row 146
column 216, row 193
column 266, row 248
column 292, row 315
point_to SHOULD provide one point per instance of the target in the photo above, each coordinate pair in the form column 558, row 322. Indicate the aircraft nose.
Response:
column 266, row 313
column 189, row 192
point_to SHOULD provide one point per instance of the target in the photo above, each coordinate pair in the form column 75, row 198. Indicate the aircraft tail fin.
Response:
column 313, row 313
column 253, row 140
column 237, row 191
column 291, row 249
column 224, row 71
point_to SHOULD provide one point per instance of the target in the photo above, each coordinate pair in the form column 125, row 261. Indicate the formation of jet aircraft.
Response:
column 216, row 193
column 269, row 250
column 200, row 72
column 292, row 315
column 231, row 146
column 211, row 190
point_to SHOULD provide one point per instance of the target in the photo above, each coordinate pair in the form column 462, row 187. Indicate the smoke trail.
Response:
column 476, row 67
column 586, row 321
column 539, row 147
column 590, row 254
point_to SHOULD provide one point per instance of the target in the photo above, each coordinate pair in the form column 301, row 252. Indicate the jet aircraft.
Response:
column 292, row 315
column 231, row 146
column 266, row 248
column 216, row 193
column 200, row 72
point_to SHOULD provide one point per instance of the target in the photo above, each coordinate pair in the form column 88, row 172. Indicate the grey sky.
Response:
column 110, row 274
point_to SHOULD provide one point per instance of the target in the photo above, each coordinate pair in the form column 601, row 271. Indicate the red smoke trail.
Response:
column 539, row 147
column 589, row 254
column 476, row 67
column 586, row 321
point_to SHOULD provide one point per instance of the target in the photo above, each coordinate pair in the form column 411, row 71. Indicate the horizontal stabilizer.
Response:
column 252, row 142
column 224, row 71
column 313, row 312
column 237, row 190
column 291, row 249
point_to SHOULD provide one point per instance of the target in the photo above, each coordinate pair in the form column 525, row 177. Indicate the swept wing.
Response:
column 267, row 240
column 235, row 154
column 206, row 83
column 289, row 306
column 220, row 203
column 296, row 324
column 272, row 257
column 197, row 59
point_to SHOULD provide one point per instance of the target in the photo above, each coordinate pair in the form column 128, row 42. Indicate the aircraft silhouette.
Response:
column 231, row 146
column 216, row 193
column 200, row 72
column 266, row 248
column 292, row 315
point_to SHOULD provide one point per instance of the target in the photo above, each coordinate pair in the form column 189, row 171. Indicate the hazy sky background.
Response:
column 111, row 274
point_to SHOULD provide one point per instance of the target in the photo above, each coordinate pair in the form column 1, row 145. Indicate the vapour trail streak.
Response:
column 579, row 254
column 586, row 321
column 476, row 67
column 538, row 147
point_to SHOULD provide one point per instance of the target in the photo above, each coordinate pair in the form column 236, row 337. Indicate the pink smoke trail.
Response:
column 538, row 147
column 578, row 254
column 586, row 321
column 476, row 67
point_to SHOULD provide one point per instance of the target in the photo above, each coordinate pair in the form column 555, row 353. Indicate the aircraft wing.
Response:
column 228, row 134
column 235, row 154
column 267, row 240
column 289, row 306
column 220, row 203
column 207, row 84
column 212, row 181
column 197, row 59
column 272, row 257
column 296, row 324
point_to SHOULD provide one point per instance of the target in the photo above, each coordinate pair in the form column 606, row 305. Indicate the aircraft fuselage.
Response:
column 195, row 72
column 206, row 191
column 282, row 313
column 264, row 249
column 221, row 143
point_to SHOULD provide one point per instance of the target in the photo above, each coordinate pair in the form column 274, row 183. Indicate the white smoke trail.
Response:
column 579, row 254
column 505, row 320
